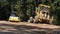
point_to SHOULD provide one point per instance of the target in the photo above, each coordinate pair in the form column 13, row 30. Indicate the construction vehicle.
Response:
column 42, row 14
column 14, row 18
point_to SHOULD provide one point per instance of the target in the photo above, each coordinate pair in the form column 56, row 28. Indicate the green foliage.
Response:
column 26, row 8
column 30, row 8
column 56, row 11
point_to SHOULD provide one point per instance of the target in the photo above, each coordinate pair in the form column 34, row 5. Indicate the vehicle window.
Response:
column 14, row 15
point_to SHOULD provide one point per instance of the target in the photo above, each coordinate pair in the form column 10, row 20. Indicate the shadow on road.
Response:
column 7, row 33
column 23, row 29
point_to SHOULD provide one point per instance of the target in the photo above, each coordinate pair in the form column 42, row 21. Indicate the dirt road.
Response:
column 27, row 28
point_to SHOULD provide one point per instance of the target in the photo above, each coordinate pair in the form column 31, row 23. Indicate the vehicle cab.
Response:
column 14, row 17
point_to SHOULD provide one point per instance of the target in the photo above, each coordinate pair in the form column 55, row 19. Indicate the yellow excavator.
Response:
column 42, row 14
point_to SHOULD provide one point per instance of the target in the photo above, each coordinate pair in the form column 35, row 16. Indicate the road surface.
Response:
column 7, row 27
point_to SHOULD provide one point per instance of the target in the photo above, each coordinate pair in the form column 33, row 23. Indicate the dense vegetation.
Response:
column 25, row 8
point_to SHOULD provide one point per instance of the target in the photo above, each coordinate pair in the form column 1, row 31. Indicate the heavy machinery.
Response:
column 14, row 17
column 42, row 14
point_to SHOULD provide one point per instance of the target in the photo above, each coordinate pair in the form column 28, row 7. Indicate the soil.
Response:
column 7, row 27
